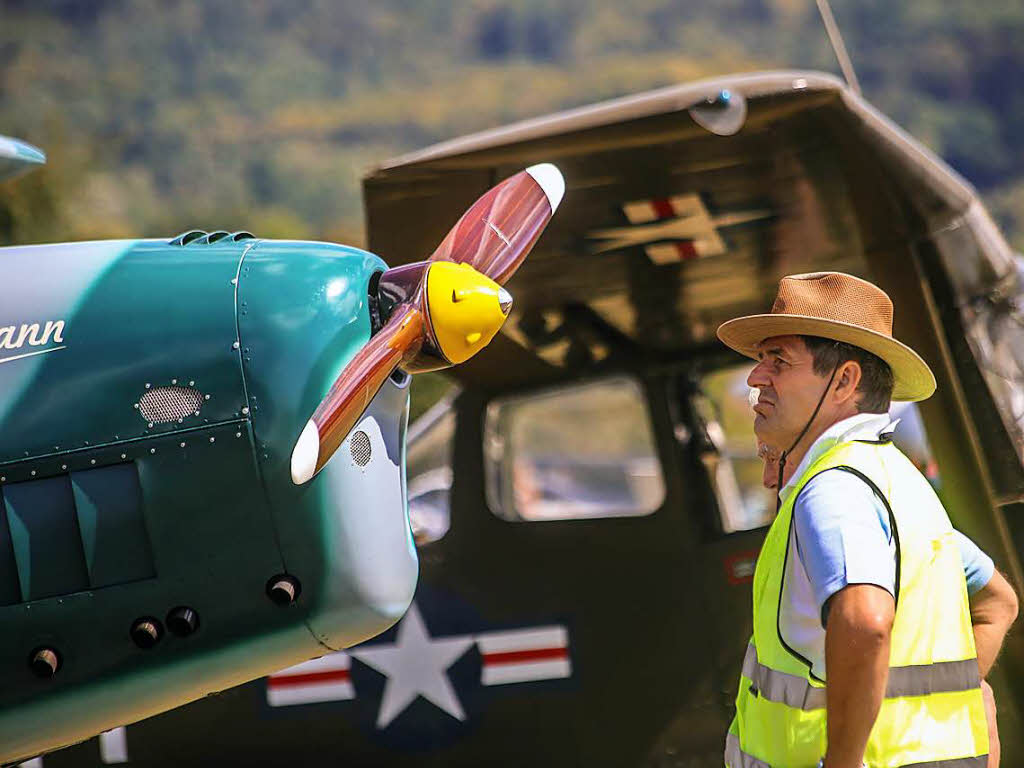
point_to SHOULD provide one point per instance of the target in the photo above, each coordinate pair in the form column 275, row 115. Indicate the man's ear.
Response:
column 847, row 381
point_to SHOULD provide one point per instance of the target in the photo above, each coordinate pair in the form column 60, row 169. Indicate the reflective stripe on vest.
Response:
column 917, row 680
column 735, row 757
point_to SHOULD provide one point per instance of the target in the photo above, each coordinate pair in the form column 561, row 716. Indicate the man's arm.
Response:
column 993, row 610
column 857, row 638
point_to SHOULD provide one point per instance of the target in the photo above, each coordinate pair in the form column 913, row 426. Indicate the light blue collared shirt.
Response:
column 842, row 528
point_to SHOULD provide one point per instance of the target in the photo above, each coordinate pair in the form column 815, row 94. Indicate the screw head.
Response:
column 148, row 385
column 245, row 410
column 152, row 450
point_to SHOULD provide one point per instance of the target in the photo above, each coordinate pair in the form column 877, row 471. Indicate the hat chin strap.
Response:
column 807, row 426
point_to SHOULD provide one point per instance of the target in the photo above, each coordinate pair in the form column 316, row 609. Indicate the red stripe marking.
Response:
column 662, row 208
column 518, row 657
column 686, row 249
column 739, row 566
column 330, row 676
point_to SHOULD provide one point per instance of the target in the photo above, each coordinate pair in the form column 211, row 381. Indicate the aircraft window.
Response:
column 730, row 458
column 993, row 313
column 429, row 469
column 576, row 452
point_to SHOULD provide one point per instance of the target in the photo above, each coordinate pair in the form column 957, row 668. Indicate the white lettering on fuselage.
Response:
column 31, row 335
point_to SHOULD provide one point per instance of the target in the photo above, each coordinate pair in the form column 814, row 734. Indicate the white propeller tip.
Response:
column 505, row 301
column 550, row 180
column 305, row 454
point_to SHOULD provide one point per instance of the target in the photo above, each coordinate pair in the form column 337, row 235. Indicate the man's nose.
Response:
column 759, row 377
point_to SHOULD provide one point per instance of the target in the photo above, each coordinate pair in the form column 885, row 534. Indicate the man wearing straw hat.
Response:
column 863, row 651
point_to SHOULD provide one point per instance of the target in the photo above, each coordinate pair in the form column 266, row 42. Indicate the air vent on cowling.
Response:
column 187, row 237
column 201, row 237
column 359, row 445
column 164, row 404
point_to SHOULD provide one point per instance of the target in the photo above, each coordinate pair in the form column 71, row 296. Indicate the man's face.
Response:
column 789, row 390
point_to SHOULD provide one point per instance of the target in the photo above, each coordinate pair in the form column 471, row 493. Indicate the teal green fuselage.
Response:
column 150, row 398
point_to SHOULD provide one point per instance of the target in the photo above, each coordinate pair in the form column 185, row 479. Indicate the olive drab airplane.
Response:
column 587, row 507
column 171, row 520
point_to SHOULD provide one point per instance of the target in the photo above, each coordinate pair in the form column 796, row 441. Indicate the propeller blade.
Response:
column 500, row 228
column 353, row 390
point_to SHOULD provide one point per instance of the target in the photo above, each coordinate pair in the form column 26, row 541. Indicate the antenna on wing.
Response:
column 836, row 39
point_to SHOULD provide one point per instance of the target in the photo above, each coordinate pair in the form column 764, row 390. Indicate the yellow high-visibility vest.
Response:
column 932, row 713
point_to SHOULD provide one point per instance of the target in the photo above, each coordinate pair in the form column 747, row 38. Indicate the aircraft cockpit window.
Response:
column 582, row 451
column 730, row 448
column 429, row 471
column 730, row 454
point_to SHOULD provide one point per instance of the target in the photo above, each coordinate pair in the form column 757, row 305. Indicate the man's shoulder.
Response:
column 836, row 498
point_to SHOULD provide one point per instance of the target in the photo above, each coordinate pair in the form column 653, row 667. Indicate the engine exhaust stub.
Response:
column 146, row 632
column 182, row 621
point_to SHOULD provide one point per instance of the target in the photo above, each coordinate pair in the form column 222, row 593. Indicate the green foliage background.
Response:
column 160, row 115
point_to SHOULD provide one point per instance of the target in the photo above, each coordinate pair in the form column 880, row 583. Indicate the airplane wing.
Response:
column 17, row 157
column 686, row 204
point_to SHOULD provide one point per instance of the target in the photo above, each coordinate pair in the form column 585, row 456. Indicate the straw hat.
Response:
column 840, row 307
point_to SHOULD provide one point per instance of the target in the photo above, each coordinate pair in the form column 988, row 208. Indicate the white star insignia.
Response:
column 415, row 665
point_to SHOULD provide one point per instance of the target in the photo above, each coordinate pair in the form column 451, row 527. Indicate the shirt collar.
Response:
column 860, row 426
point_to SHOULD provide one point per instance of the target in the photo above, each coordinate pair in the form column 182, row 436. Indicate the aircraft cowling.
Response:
column 108, row 518
column 346, row 534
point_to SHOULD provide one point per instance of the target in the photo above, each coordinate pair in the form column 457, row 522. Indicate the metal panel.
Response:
column 85, row 327
column 44, row 530
column 344, row 534
column 114, row 538
column 10, row 589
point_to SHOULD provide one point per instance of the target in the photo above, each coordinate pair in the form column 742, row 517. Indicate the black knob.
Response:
column 283, row 589
column 44, row 662
column 182, row 621
column 146, row 632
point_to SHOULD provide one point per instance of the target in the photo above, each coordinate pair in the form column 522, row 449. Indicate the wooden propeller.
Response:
column 441, row 311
